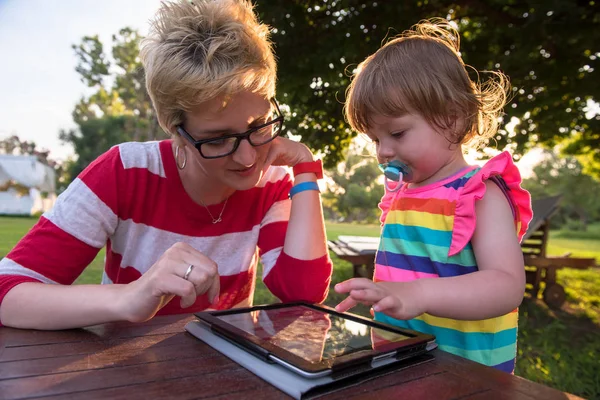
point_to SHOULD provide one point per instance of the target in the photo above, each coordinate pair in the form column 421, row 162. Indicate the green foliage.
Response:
column 94, row 137
column 583, row 291
column 592, row 233
column 118, row 110
column 13, row 229
column 548, row 49
column 564, row 176
column 558, row 349
column 358, row 188
column 126, row 95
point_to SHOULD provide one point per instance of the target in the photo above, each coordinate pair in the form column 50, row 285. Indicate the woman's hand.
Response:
column 400, row 300
column 165, row 279
column 284, row 151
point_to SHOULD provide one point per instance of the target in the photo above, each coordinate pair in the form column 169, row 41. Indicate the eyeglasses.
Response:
column 227, row 144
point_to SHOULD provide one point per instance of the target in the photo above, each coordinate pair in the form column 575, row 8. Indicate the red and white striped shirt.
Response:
column 132, row 201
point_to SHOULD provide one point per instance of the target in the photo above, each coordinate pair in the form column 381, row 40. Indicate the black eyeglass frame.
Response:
column 239, row 136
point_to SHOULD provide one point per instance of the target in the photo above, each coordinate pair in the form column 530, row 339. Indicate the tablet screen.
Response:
column 313, row 335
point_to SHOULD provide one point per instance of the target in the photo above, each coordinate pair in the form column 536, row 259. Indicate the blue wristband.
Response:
column 301, row 187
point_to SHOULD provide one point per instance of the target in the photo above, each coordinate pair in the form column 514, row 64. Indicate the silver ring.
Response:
column 188, row 272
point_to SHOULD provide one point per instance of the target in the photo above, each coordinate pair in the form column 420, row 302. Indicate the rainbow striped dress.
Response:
column 426, row 234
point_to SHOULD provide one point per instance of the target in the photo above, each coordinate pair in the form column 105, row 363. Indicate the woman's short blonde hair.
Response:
column 421, row 71
column 198, row 50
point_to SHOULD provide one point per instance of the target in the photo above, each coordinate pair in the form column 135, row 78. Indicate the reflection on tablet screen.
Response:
column 313, row 335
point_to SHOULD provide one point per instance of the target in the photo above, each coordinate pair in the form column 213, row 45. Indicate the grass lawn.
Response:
column 559, row 348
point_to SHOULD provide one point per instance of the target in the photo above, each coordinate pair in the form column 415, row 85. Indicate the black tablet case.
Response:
column 287, row 381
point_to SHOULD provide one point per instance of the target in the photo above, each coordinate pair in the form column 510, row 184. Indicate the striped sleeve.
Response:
column 67, row 238
column 286, row 277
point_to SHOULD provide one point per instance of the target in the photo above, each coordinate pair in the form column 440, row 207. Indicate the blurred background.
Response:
column 71, row 86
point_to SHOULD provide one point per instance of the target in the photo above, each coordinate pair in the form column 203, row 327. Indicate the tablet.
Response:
column 315, row 340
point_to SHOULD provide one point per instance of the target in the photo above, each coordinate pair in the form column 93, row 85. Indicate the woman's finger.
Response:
column 187, row 253
column 214, row 290
column 204, row 276
column 274, row 152
column 172, row 285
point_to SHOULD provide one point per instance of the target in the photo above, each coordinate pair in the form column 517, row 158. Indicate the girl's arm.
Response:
column 496, row 289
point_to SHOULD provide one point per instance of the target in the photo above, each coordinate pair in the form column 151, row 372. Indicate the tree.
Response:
column 94, row 137
column 358, row 187
column 548, row 49
column 119, row 87
column 564, row 176
column 119, row 108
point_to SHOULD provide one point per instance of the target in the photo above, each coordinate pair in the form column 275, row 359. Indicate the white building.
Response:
column 26, row 171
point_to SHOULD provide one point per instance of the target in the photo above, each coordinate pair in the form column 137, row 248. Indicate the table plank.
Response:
column 100, row 378
column 498, row 380
column 434, row 386
column 159, row 359
column 124, row 354
column 18, row 353
column 30, row 337
column 227, row 384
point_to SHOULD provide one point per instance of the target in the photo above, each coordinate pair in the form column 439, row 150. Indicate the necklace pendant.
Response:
column 216, row 221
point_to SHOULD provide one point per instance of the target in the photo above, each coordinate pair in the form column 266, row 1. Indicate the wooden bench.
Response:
column 360, row 251
column 539, row 267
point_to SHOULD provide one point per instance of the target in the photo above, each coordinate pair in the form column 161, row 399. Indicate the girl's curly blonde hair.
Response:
column 421, row 71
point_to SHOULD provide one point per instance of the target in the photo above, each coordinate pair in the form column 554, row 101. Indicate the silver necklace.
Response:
column 218, row 219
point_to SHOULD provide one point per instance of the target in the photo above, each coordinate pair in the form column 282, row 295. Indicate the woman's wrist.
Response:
column 305, row 178
column 313, row 169
column 304, row 155
column 305, row 158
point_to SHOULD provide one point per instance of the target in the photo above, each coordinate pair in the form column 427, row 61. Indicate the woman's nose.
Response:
column 245, row 154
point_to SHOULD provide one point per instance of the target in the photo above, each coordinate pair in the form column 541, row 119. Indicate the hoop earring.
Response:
column 182, row 166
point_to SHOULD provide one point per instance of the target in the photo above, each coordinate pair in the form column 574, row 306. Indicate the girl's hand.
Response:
column 284, row 151
column 400, row 300
column 164, row 280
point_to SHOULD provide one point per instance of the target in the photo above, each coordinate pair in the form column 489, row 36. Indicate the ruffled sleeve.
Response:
column 501, row 166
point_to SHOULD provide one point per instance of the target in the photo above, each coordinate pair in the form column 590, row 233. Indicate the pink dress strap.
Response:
column 465, row 219
column 385, row 204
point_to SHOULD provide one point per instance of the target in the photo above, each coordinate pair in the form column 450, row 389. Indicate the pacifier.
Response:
column 394, row 171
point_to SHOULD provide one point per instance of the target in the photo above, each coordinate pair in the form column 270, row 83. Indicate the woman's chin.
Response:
column 244, row 181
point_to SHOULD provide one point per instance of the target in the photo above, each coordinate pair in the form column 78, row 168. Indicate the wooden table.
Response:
column 158, row 359
column 359, row 251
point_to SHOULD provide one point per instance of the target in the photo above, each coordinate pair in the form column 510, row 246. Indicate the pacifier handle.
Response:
column 398, row 183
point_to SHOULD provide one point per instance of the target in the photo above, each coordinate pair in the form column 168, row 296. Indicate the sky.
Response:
column 38, row 83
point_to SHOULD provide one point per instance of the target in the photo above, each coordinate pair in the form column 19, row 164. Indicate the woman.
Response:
column 187, row 217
